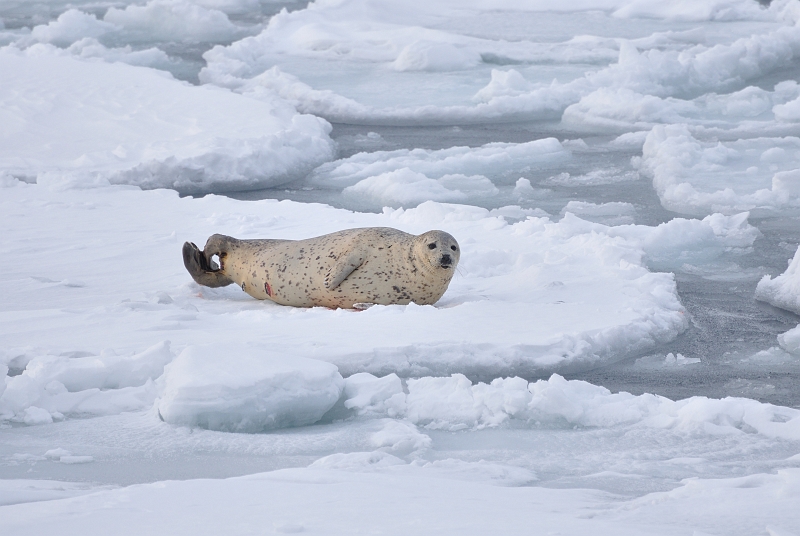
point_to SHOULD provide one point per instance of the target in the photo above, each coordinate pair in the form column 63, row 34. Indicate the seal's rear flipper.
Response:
column 199, row 269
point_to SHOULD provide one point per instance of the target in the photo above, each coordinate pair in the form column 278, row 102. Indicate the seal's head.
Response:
column 438, row 251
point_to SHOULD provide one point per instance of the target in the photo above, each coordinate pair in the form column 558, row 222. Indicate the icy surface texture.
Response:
column 396, row 499
column 234, row 388
column 112, row 123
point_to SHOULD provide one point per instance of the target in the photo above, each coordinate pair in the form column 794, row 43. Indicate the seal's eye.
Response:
column 453, row 248
column 432, row 246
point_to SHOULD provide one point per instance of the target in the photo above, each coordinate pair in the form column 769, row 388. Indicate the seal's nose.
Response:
column 446, row 260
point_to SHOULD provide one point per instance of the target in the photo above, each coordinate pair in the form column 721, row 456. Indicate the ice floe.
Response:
column 304, row 55
column 112, row 123
column 695, row 177
column 535, row 295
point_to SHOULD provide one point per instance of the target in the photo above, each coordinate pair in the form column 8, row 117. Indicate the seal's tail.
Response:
column 200, row 264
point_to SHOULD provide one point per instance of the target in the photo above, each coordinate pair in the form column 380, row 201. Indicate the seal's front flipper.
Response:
column 343, row 268
column 199, row 268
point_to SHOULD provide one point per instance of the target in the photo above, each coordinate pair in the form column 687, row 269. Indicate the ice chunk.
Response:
column 62, row 385
column 72, row 25
column 432, row 56
column 405, row 186
column 615, row 213
column 400, row 437
column 103, row 372
column 500, row 162
column 173, row 20
column 237, row 388
column 120, row 124
column 695, row 177
column 455, row 403
column 33, row 415
column 367, row 393
column 784, row 290
column 790, row 341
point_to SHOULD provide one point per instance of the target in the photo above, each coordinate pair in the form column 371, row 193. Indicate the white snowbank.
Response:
column 790, row 341
column 237, row 388
column 86, row 123
column 694, row 177
column 784, row 290
column 454, row 403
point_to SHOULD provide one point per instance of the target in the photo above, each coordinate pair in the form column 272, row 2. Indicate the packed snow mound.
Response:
column 455, row 403
column 238, row 388
column 54, row 386
column 112, row 123
column 312, row 56
column 696, row 177
column 784, row 290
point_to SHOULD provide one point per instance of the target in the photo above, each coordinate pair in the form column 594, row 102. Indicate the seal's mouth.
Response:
column 446, row 261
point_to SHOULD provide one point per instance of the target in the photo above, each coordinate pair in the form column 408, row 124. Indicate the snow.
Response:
column 619, row 174
column 112, row 123
column 394, row 499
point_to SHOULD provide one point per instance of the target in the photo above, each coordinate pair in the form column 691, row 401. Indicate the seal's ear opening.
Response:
column 198, row 267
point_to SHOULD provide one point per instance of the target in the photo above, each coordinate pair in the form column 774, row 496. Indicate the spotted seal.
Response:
column 347, row 269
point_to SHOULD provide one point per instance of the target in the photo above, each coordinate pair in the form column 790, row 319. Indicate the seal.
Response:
column 347, row 269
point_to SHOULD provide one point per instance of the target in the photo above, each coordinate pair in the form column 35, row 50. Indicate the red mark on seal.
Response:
column 268, row 289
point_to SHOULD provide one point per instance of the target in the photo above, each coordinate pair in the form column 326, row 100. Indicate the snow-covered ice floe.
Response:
column 456, row 174
column 362, row 61
column 88, row 123
column 529, row 297
column 694, row 177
